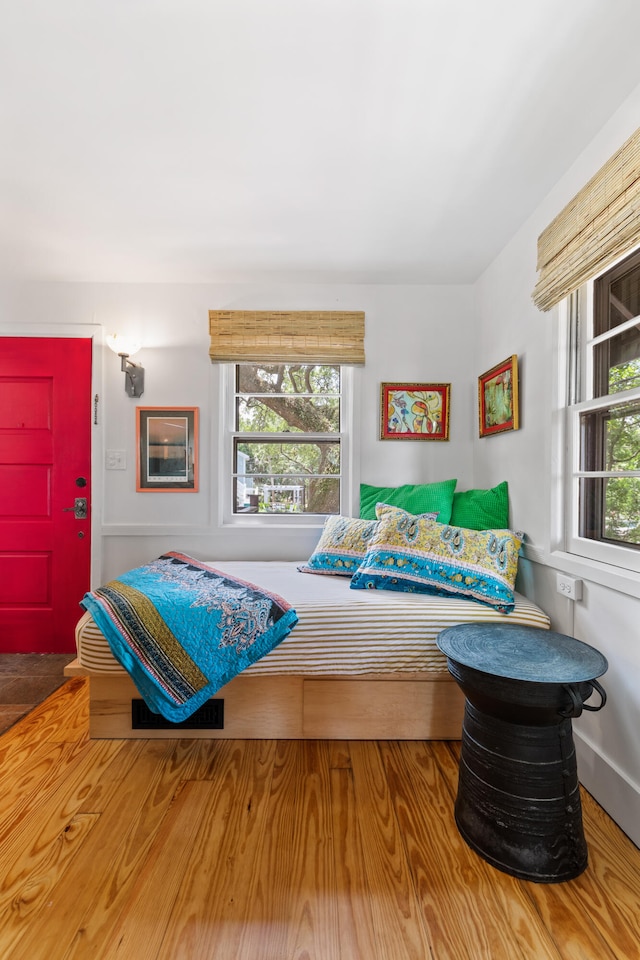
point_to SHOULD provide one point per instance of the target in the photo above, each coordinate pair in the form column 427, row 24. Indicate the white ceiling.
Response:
column 394, row 141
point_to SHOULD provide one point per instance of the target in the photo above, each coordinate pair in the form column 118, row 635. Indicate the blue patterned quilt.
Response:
column 182, row 629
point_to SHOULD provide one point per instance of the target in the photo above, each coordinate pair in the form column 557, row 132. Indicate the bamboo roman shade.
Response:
column 601, row 223
column 282, row 336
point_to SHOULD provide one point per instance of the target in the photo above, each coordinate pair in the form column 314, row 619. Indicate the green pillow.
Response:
column 412, row 497
column 481, row 509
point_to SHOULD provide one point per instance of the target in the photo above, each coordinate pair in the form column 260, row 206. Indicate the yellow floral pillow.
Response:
column 418, row 555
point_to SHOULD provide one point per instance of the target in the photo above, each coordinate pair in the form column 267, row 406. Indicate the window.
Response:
column 287, row 438
column 604, row 418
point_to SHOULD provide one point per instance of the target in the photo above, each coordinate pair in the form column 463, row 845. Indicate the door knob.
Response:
column 79, row 508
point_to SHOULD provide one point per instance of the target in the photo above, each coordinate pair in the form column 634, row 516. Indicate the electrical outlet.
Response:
column 568, row 586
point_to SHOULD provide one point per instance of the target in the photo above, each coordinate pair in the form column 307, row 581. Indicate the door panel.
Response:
column 25, row 579
column 45, row 445
column 17, row 478
column 25, row 403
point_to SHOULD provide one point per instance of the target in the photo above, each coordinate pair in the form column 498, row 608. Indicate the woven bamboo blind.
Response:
column 601, row 223
column 281, row 336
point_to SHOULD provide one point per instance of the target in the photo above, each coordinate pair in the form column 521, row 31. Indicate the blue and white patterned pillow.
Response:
column 341, row 547
column 417, row 555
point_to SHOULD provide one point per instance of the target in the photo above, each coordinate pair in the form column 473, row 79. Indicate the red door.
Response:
column 45, row 463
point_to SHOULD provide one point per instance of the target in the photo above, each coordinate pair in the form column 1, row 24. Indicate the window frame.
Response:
column 228, row 434
column 577, row 316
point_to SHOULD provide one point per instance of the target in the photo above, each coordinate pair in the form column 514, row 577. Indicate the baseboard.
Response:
column 612, row 790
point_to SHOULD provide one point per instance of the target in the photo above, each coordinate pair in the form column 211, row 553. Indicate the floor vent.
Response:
column 210, row 716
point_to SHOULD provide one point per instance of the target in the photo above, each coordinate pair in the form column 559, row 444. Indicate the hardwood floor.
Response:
column 273, row 850
column 26, row 679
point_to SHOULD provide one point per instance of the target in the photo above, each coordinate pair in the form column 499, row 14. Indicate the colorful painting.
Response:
column 414, row 411
column 498, row 398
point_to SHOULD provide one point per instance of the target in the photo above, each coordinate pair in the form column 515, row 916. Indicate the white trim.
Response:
column 614, row 577
column 95, row 333
column 200, row 531
column 615, row 791
column 622, row 399
column 156, row 530
column 560, row 389
column 606, row 473
column 614, row 331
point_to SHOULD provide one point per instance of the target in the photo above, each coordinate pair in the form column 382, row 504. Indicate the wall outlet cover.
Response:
column 116, row 460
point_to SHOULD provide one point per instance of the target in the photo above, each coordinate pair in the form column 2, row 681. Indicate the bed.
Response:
column 359, row 664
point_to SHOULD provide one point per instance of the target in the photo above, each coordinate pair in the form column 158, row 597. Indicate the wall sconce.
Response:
column 133, row 372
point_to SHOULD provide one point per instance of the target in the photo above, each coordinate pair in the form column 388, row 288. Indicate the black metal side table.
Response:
column 518, row 802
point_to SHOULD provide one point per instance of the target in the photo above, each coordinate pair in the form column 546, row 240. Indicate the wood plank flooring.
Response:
column 273, row 850
column 26, row 679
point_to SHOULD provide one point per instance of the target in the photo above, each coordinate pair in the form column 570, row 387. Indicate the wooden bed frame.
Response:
column 382, row 707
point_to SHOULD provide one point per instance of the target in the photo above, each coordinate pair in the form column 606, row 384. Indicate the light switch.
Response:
column 116, row 460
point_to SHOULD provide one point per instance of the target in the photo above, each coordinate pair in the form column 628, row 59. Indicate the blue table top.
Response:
column 522, row 653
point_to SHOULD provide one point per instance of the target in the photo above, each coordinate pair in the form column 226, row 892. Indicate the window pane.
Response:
column 288, row 378
column 608, row 507
column 302, row 458
column 616, row 501
column 618, row 362
column 611, row 439
column 624, row 297
column 287, row 494
column 284, row 414
column 281, row 477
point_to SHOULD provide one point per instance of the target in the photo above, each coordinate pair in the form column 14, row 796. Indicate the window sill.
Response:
column 256, row 521
column 605, row 574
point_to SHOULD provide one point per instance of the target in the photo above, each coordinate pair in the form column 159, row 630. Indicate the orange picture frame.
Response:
column 167, row 449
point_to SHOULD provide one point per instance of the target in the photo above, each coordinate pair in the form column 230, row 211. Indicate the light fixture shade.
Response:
column 123, row 344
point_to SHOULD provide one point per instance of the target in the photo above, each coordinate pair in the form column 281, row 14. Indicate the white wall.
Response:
column 607, row 742
column 412, row 333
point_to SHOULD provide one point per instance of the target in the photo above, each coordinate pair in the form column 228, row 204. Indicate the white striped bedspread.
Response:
column 341, row 632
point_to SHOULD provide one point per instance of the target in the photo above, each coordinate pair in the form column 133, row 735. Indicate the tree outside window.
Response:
column 287, row 438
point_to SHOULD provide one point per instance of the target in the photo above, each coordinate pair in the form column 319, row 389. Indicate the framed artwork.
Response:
column 414, row 411
column 167, row 442
column 498, row 398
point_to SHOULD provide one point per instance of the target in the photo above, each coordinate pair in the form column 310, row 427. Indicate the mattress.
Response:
column 340, row 632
